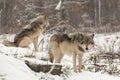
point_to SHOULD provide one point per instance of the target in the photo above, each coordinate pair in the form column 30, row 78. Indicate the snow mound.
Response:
column 14, row 69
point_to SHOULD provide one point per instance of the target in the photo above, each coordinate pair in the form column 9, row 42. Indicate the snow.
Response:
column 58, row 5
column 91, row 76
column 13, row 67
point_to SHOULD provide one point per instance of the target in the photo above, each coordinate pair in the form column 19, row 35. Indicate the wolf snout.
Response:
column 86, row 48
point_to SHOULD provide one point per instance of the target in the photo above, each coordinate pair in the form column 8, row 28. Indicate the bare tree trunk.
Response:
column 99, row 12
column 0, row 21
column 95, row 13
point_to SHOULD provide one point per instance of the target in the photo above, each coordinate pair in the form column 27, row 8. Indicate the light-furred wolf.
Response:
column 72, row 44
column 30, row 34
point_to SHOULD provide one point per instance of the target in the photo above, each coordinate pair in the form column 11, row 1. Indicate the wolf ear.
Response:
column 81, row 35
column 44, row 17
column 71, row 36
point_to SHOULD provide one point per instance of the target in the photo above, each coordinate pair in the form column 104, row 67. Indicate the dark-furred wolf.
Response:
column 74, row 44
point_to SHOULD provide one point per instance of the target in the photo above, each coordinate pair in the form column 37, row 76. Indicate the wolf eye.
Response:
column 91, row 43
column 82, row 43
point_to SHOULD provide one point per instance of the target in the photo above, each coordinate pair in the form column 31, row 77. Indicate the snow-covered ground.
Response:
column 12, row 66
column 14, row 69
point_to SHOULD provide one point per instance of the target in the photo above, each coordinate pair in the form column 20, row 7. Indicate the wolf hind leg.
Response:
column 35, row 42
column 58, row 57
column 24, row 43
column 51, row 56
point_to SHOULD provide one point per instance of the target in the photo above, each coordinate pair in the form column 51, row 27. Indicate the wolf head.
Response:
column 85, row 41
column 40, row 21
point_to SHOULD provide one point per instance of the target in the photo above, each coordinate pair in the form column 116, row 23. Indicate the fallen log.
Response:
column 44, row 67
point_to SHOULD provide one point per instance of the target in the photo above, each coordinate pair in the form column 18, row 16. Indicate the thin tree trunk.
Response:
column 95, row 13
column 99, row 12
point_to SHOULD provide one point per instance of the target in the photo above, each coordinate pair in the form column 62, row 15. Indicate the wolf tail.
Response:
column 8, row 43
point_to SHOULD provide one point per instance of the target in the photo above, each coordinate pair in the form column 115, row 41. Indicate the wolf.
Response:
column 30, row 34
column 74, row 44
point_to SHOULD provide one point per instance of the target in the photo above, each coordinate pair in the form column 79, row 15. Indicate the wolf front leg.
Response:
column 80, row 61
column 74, row 62
column 35, row 42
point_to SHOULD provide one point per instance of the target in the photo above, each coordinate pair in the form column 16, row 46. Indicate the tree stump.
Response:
column 44, row 67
